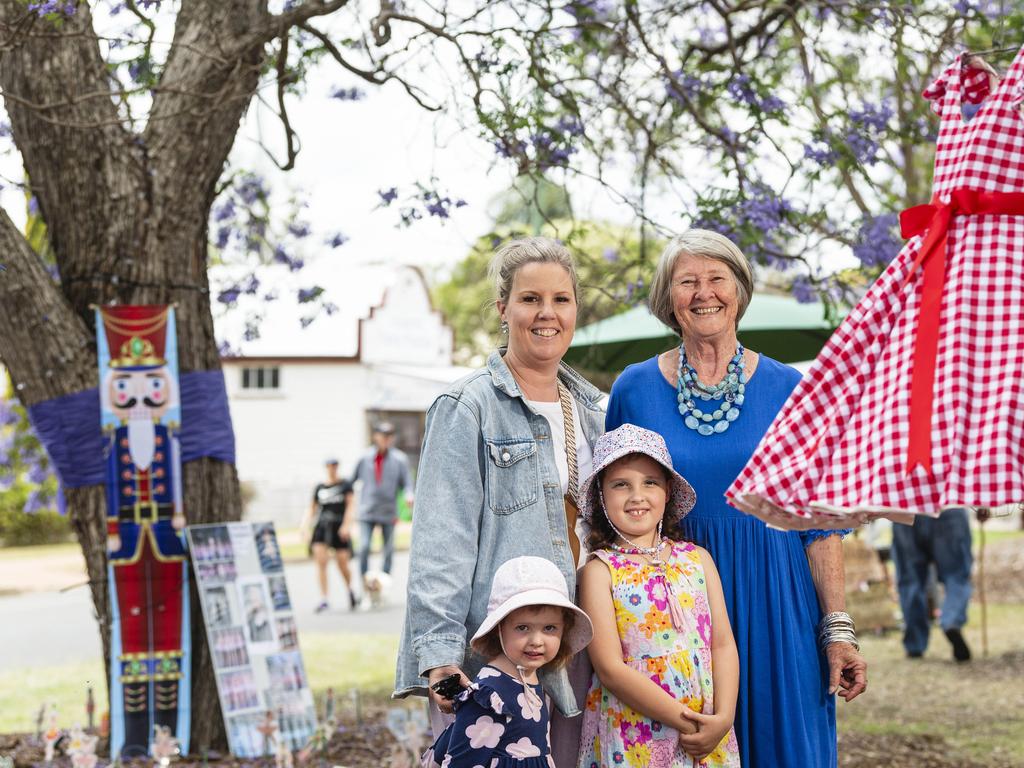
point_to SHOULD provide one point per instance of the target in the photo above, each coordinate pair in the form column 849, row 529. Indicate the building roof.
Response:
column 355, row 290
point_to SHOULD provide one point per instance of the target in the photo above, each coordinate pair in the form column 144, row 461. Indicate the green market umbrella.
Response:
column 779, row 326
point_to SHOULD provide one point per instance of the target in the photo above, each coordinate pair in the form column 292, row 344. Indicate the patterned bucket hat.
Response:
column 628, row 439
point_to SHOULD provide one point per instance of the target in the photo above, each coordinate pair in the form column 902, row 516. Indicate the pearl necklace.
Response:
column 654, row 553
column 729, row 391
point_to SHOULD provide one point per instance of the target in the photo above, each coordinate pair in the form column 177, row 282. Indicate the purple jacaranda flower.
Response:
column 37, row 473
column 822, row 153
column 803, row 290
column 281, row 256
column 330, row 307
column 336, row 240
column 992, row 9
column 387, row 196
column 299, row 229
column 8, row 415
column 877, row 240
column 36, row 502
column 224, row 211
column 224, row 349
column 348, row 94
column 33, row 206
column 684, row 87
column 229, row 295
column 251, row 188
column 250, row 285
column 223, row 236
column 611, row 255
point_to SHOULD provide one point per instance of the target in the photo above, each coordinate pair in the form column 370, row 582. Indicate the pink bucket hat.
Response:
column 623, row 441
column 527, row 580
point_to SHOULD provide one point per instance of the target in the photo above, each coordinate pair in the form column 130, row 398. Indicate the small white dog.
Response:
column 376, row 586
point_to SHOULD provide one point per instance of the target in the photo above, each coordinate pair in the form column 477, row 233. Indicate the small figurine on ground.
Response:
column 268, row 729
column 81, row 748
column 329, row 707
column 317, row 743
column 164, row 746
column 283, row 755
column 52, row 734
column 90, row 708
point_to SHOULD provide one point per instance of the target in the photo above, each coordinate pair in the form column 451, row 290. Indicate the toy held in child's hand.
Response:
column 449, row 687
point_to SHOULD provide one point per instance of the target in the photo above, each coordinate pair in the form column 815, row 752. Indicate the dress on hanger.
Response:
column 911, row 406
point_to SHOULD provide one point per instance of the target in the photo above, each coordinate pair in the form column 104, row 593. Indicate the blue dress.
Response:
column 495, row 727
column 784, row 716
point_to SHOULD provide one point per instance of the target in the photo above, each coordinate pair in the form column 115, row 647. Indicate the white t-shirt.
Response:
column 584, row 455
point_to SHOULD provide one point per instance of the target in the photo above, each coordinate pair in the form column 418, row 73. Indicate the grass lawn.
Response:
column 344, row 662
column 978, row 708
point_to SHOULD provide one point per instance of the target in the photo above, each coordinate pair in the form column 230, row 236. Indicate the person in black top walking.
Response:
column 331, row 510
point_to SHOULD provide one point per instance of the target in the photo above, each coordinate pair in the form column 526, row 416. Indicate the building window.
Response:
column 265, row 377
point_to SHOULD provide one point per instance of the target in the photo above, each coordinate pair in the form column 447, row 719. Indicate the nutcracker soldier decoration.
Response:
column 148, row 571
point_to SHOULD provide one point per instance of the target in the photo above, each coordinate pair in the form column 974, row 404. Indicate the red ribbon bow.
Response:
column 934, row 219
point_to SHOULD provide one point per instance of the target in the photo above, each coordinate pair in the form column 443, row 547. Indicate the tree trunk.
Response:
column 127, row 215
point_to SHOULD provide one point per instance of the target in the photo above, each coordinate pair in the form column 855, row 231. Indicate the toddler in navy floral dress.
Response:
column 501, row 719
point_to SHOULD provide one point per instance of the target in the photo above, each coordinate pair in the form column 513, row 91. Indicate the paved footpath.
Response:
column 41, row 625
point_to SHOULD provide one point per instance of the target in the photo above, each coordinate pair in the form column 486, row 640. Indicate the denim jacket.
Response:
column 487, row 491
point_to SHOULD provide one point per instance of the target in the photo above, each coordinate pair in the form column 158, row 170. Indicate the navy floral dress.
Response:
column 495, row 726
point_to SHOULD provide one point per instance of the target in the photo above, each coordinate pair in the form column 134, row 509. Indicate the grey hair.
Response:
column 516, row 254
column 710, row 245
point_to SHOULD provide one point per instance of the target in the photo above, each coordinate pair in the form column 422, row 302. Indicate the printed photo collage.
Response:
column 252, row 634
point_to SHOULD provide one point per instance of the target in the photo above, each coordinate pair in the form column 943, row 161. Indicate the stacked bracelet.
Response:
column 837, row 627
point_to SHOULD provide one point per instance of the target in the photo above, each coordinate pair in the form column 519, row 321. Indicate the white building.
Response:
column 300, row 395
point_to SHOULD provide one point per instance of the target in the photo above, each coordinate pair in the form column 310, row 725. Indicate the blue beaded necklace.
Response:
column 727, row 394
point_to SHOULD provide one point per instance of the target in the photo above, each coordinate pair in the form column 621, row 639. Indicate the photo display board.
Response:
column 252, row 634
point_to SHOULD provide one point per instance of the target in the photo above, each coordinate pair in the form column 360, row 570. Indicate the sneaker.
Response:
column 914, row 654
column 321, row 607
column 960, row 650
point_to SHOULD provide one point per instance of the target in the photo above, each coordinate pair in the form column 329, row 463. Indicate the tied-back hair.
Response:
column 490, row 644
column 516, row 254
column 601, row 535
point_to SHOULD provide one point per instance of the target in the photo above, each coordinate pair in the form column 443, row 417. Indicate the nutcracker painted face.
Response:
column 139, row 390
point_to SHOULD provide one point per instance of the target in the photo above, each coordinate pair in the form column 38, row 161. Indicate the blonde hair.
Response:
column 710, row 245
column 516, row 254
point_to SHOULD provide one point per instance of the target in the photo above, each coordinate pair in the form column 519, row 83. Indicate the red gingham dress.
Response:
column 836, row 454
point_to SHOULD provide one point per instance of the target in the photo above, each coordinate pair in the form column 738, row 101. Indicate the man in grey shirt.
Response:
column 381, row 473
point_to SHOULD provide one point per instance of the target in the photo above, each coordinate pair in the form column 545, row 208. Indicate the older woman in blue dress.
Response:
column 713, row 400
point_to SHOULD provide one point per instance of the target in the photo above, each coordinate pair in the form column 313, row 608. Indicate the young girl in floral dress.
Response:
column 501, row 719
column 666, row 671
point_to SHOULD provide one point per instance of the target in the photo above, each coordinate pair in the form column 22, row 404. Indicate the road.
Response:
column 48, row 628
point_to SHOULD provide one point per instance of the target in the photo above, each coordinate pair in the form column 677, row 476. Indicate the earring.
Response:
column 504, row 327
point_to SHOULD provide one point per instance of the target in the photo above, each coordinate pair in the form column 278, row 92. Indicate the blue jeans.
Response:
column 946, row 542
column 387, row 531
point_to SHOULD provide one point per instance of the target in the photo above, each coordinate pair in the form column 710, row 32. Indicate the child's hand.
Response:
column 711, row 729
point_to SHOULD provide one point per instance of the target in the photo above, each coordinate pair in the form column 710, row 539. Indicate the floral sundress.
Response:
column 676, row 658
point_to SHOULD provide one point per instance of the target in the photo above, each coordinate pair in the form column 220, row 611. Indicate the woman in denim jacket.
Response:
column 493, row 472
